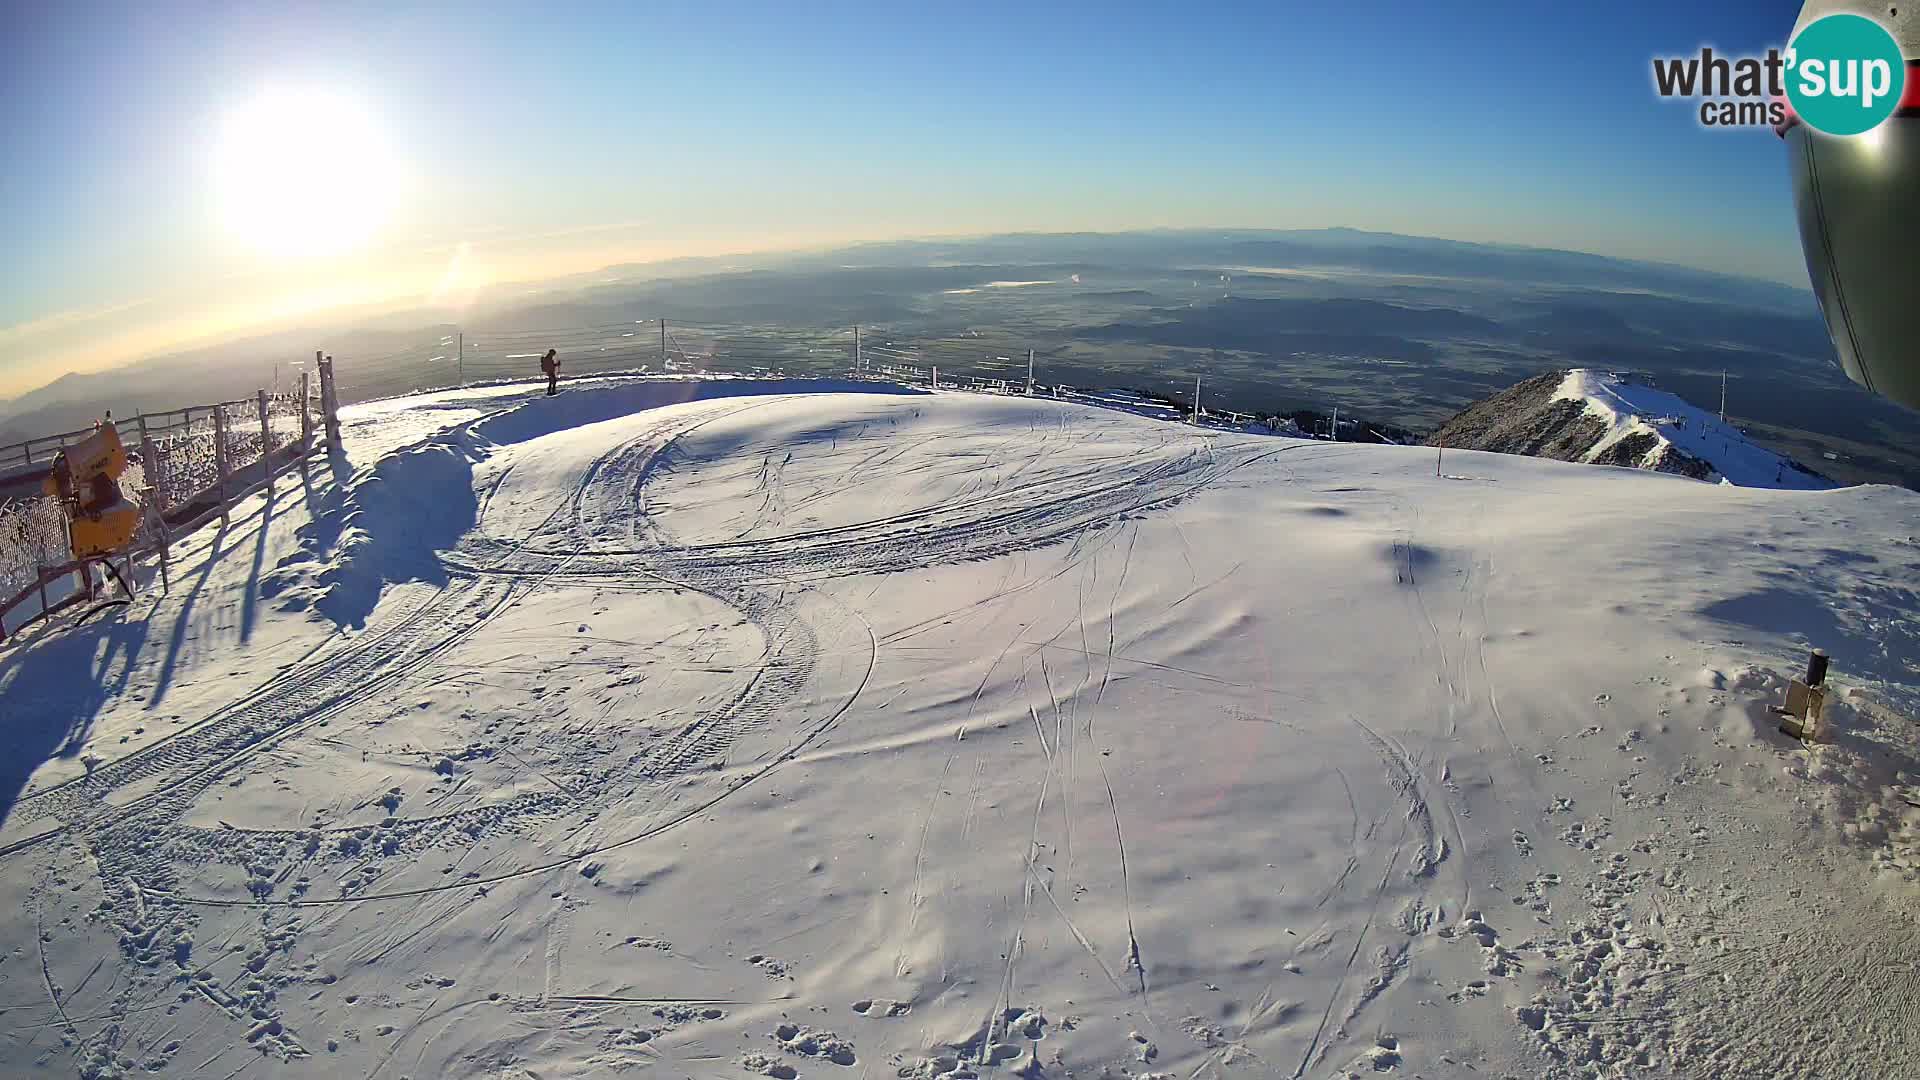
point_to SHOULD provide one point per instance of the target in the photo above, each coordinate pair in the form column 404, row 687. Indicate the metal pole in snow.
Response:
column 1723, row 395
column 857, row 365
column 1196, row 399
column 1029, row 372
column 1334, row 435
column 663, row 344
column 460, row 354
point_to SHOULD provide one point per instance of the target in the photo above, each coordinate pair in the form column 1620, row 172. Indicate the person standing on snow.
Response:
column 550, row 365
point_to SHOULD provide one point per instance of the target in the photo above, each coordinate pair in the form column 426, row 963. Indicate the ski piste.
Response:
column 784, row 724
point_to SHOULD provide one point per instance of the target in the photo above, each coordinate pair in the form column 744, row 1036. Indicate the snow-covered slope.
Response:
column 1601, row 419
column 687, row 729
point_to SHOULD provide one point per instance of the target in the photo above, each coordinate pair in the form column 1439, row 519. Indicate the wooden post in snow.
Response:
column 156, row 500
column 306, row 415
column 329, row 402
column 222, row 467
column 150, row 464
column 266, row 442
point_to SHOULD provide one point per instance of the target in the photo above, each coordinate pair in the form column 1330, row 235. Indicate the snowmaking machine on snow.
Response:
column 85, row 482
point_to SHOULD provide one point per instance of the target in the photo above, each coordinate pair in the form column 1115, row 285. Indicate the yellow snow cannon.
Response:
column 86, row 482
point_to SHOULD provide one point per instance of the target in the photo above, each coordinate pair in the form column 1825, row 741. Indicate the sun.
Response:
column 301, row 174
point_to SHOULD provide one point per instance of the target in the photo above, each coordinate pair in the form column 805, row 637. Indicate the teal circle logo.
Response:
column 1845, row 74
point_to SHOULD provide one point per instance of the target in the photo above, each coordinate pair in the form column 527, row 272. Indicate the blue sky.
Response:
column 547, row 137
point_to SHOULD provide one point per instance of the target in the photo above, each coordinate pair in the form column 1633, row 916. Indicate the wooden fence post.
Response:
column 221, row 464
column 156, row 508
column 306, row 414
column 266, row 442
column 150, row 464
column 158, row 522
column 329, row 402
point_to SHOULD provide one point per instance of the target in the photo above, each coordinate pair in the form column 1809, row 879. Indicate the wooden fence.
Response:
column 191, row 465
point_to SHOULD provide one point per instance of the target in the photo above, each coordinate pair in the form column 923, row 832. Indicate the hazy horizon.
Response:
column 190, row 174
column 350, row 313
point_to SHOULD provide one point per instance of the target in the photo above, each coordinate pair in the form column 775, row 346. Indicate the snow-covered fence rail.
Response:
column 33, row 536
column 37, row 452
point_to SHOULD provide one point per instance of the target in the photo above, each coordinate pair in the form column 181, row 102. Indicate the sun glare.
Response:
column 304, row 174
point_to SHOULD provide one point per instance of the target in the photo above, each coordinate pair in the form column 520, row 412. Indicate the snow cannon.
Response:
column 1858, row 203
column 86, row 483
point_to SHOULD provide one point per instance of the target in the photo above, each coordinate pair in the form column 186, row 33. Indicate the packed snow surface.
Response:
column 1629, row 409
column 729, row 728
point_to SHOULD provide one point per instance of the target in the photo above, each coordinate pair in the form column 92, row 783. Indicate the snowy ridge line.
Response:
column 1684, row 438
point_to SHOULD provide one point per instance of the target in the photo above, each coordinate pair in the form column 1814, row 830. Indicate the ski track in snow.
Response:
column 531, row 828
